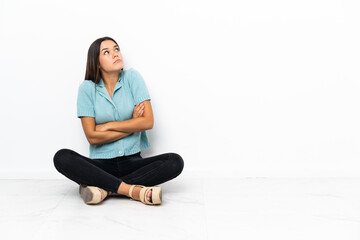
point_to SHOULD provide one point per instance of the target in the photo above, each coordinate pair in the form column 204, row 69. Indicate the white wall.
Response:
column 253, row 88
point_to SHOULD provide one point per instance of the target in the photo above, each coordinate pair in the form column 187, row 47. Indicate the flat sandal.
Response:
column 156, row 194
column 92, row 194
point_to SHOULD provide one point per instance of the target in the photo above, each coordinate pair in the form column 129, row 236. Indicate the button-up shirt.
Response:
column 95, row 101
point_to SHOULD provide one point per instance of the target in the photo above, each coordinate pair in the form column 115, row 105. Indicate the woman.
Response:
column 115, row 111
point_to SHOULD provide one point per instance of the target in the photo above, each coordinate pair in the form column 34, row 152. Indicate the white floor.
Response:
column 193, row 208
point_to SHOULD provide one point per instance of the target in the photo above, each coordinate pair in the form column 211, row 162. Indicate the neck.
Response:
column 110, row 79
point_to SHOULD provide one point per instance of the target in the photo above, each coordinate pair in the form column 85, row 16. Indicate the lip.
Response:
column 117, row 60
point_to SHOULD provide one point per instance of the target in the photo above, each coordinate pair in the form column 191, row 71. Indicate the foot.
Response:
column 92, row 194
column 136, row 193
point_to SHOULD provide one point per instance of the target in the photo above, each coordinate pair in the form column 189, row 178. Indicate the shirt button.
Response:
column 120, row 152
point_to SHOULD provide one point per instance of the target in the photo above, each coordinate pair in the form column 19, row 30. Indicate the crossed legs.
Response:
column 118, row 174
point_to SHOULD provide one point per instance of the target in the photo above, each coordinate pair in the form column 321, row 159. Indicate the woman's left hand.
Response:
column 101, row 127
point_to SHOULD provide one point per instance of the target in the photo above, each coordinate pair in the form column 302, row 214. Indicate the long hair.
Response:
column 92, row 65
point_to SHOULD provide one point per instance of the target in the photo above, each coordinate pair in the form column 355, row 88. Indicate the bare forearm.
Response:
column 140, row 122
column 98, row 137
column 132, row 125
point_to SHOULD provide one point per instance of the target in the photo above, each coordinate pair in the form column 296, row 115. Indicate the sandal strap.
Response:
column 131, row 189
column 143, row 197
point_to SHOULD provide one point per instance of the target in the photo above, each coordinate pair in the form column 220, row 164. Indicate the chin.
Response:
column 117, row 68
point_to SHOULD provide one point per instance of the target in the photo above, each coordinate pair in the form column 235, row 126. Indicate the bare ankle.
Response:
column 124, row 189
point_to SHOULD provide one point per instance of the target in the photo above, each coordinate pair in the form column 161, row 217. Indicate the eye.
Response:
column 118, row 49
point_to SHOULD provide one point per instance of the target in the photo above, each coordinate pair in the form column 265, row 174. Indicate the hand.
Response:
column 138, row 110
column 101, row 127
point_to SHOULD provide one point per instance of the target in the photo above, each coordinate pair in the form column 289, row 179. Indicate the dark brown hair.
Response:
column 92, row 65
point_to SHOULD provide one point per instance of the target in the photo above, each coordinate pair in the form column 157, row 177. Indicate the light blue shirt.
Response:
column 96, row 102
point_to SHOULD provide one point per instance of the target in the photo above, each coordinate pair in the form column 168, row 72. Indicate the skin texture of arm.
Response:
column 99, row 137
column 145, row 122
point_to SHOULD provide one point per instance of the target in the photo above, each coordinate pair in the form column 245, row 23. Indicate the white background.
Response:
column 247, row 88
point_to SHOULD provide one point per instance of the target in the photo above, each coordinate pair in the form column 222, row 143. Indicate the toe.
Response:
column 149, row 196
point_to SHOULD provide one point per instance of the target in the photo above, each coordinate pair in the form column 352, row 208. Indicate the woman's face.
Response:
column 110, row 57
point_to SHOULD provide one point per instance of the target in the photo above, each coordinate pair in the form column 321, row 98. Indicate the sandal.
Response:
column 156, row 194
column 92, row 194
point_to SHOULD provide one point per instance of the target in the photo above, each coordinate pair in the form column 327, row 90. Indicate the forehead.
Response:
column 107, row 44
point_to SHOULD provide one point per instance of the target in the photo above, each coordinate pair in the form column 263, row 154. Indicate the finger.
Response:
column 137, row 108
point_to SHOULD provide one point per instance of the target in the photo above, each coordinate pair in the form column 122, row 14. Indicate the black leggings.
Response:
column 109, row 173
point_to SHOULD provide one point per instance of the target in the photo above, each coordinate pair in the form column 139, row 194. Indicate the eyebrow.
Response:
column 107, row 48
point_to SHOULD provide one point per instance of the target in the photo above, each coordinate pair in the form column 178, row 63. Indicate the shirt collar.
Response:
column 101, row 82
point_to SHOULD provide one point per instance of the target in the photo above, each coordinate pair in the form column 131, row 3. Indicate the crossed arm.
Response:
column 142, row 120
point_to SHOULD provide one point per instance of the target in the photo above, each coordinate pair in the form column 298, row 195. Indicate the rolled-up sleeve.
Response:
column 138, row 87
column 85, row 103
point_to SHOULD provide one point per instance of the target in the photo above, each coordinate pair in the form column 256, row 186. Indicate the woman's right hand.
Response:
column 138, row 110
